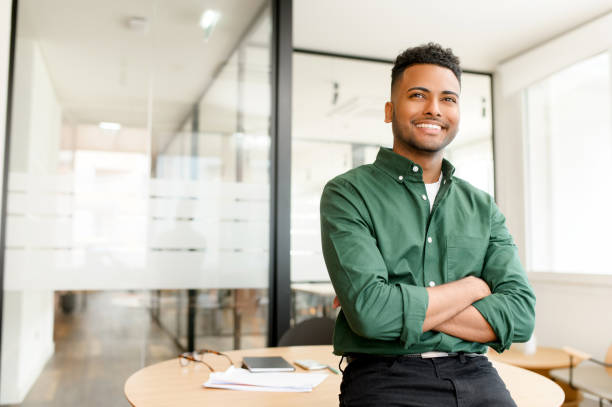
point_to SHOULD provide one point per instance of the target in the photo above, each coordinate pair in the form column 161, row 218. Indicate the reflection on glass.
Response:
column 338, row 124
column 569, row 143
column 138, row 181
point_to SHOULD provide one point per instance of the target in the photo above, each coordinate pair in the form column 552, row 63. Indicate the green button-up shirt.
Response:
column 382, row 246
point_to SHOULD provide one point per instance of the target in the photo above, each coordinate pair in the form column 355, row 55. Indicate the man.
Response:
column 423, row 265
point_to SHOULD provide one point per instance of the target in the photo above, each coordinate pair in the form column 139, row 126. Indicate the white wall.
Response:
column 27, row 341
column 570, row 313
column 5, row 39
column 36, row 123
column 27, row 331
column 571, row 309
column 5, row 27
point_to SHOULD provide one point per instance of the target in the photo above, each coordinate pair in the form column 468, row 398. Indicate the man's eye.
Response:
column 450, row 99
column 417, row 95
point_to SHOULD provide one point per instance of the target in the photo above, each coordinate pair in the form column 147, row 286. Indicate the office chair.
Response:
column 594, row 378
column 314, row 331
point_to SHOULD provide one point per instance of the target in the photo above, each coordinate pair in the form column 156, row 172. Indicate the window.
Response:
column 338, row 124
column 569, row 159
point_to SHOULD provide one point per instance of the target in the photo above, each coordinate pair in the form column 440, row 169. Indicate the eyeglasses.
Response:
column 198, row 355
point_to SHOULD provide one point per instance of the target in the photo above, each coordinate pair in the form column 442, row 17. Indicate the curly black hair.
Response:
column 430, row 53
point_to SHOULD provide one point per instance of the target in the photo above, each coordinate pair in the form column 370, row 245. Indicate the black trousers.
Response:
column 408, row 381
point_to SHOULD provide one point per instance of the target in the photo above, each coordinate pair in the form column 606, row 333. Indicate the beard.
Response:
column 404, row 135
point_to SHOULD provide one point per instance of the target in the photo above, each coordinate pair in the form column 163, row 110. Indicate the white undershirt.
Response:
column 432, row 191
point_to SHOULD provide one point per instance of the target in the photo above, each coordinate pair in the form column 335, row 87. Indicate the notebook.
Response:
column 267, row 364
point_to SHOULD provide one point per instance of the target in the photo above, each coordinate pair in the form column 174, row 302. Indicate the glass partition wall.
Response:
column 138, row 192
column 338, row 124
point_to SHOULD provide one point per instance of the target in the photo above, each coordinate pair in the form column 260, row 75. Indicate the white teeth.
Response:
column 429, row 126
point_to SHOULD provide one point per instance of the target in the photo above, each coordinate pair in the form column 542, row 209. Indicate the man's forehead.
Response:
column 430, row 76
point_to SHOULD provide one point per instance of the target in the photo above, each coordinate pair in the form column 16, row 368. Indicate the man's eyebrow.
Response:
column 422, row 89
column 450, row 92
column 418, row 88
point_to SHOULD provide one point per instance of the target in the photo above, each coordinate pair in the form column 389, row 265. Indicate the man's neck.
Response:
column 430, row 162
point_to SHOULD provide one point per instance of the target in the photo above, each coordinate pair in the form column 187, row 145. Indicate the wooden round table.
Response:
column 169, row 384
column 542, row 362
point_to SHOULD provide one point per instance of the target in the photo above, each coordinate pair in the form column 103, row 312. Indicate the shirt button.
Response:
column 401, row 177
column 432, row 284
column 424, row 197
column 415, row 168
column 429, row 239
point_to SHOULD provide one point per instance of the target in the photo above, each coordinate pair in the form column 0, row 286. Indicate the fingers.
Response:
column 336, row 303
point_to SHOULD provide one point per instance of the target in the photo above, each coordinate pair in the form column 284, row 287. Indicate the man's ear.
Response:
column 388, row 112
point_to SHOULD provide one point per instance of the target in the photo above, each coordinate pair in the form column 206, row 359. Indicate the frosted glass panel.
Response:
column 156, row 234
column 138, row 206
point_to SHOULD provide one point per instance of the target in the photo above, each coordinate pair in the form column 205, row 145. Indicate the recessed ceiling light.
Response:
column 208, row 21
column 109, row 126
column 137, row 23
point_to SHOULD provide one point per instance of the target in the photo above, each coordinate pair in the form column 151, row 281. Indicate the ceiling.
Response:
column 103, row 71
column 482, row 33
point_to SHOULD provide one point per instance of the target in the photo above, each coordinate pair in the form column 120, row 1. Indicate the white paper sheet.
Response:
column 258, row 388
column 241, row 379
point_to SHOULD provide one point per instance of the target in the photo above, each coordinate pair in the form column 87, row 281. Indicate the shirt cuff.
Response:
column 415, row 301
column 495, row 310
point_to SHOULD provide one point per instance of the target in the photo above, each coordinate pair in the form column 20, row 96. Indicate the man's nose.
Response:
column 433, row 108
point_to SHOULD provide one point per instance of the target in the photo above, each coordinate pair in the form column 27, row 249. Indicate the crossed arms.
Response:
column 450, row 310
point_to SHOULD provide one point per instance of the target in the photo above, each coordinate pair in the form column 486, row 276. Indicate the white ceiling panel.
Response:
column 482, row 33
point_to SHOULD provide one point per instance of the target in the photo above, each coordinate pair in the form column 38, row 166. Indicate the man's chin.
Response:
column 429, row 148
column 431, row 145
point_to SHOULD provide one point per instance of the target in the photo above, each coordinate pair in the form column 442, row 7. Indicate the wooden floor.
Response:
column 100, row 344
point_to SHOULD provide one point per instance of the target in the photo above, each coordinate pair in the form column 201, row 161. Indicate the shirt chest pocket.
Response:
column 464, row 256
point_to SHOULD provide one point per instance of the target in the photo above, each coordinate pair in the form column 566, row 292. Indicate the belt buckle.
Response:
column 429, row 355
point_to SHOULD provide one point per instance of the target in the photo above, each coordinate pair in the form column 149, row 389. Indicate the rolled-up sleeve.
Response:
column 510, row 309
column 373, row 307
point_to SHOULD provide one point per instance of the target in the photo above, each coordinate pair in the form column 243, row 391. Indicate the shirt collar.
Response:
column 401, row 168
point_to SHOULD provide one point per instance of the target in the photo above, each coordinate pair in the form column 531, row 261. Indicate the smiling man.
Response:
column 424, row 267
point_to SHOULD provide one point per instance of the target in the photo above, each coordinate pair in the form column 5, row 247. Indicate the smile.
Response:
column 429, row 126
